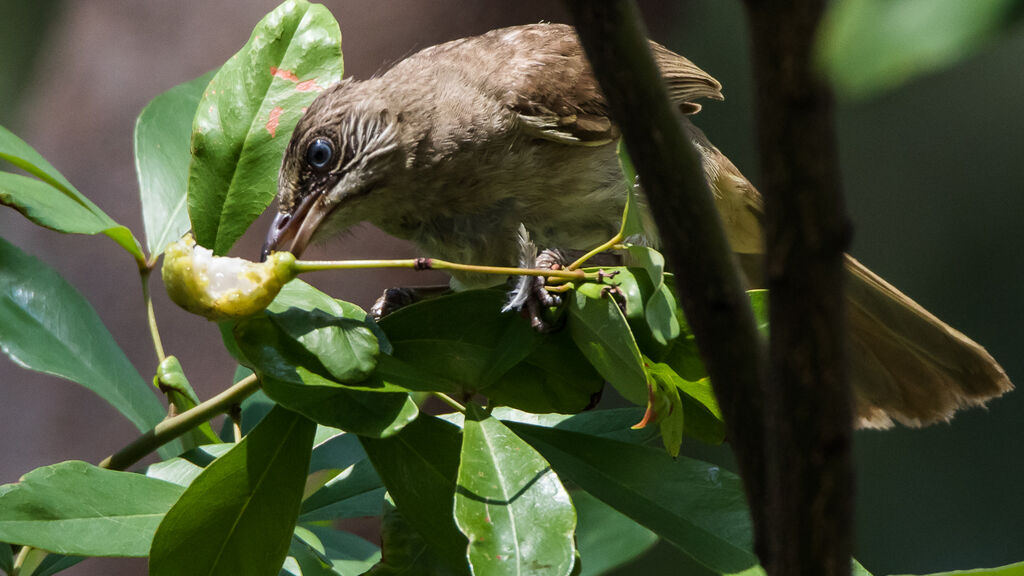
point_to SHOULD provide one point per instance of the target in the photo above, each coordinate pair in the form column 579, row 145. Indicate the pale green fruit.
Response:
column 218, row 287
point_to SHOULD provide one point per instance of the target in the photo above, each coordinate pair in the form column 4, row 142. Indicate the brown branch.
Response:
column 707, row 281
column 808, row 400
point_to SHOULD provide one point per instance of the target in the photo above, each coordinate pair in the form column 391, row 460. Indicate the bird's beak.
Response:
column 292, row 231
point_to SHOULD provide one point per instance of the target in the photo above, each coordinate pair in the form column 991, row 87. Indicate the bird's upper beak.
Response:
column 291, row 231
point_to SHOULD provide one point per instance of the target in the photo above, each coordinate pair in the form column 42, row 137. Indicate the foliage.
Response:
column 869, row 46
column 522, row 478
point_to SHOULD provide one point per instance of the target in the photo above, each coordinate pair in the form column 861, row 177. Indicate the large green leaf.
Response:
column 420, row 467
column 465, row 340
column 616, row 423
column 46, row 325
column 602, row 334
column 319, row 551
column 606, row 538
column 404, row 551
column 238, row 515
column 510, row 504
column 163, row 133
column 40, row 200
column 345, row 347
column 48, row 206
column 694, row 505
column 352, row 489
column 868, row 46
column 183, row 469
column 297, row 380
column 247, row 113
column 77, row 508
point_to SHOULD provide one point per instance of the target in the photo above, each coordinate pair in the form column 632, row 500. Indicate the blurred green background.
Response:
column 934, row 180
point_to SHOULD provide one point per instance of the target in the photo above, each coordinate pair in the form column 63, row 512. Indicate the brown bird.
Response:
column 457, row 146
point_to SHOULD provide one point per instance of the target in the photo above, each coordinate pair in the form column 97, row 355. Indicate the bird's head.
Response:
column 339, row 155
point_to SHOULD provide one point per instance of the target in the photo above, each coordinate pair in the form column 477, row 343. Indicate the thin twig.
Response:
column 172, row 428
column 450, row 401
column 301, row 266
column 151, row 314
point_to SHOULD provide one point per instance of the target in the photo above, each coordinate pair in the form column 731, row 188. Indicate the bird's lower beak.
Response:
column 292, row 231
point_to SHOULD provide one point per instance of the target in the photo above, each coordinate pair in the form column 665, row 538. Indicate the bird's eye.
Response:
column 319, row 153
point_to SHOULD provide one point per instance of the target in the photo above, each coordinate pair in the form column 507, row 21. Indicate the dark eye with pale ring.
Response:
column 319, row 153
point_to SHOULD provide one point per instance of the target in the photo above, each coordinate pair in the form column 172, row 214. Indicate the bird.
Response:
column 460, row 145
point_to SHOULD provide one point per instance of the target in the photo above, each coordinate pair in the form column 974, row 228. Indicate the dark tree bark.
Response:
column 808, row 409
column 792, row 429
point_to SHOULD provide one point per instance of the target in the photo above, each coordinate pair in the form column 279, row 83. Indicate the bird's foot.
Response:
column 530, row 295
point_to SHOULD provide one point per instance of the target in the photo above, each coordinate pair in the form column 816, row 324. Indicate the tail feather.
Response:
column 907, row 365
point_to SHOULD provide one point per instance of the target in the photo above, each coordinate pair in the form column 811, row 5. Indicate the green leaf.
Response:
column 163, row 133
column 247, row 113
column 353, row 489
column 660, row 306
column 420, row 466
column 855, row 570
column 47, row 326
column 671, row 422
column 696, row 506
column 55, row 563
column 607, row 539
column 404, row 551
column 615, row 424
column 632, row 221
column 182, row 470
column 77, row 508
column 346, row 554
column 345, row 347
column 464, row 339
column 1009, row 570
column 54, row 202
column 510, row 505
column 702, row 419
column 49, row 207
column 603, row 336
column 296, row 380
column 759, row 304
column 238, row 515
column 870, row 46
column 6, row 558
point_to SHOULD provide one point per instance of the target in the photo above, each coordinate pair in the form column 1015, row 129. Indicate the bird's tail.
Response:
column 907, row 365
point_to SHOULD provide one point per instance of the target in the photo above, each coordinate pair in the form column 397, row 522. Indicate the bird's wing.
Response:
column 548, row 83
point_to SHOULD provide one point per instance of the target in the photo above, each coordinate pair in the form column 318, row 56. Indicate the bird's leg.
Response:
column 537, row 296
column 399, row 297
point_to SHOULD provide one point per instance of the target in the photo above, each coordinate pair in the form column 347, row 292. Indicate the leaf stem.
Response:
column 450, row 401
column 615, row 242
column 151, row 314
column 173, row 427
column 435, row 264
column 27, row 561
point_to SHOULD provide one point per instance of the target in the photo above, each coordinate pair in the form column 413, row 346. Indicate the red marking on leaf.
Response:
column 308, row 86
column 274, row 120
column 300, row 86
column 283, row 74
